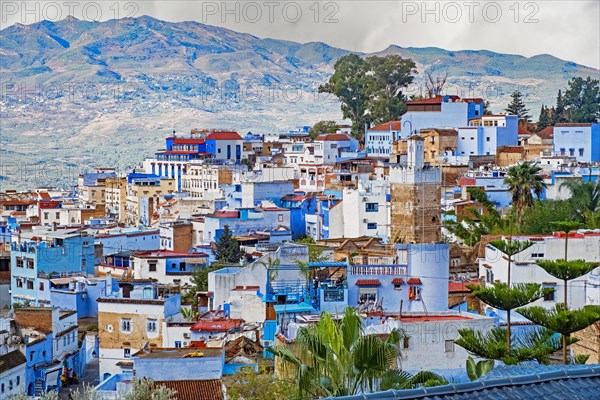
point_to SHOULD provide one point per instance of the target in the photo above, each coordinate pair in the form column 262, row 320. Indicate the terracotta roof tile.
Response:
column 397, row 281
column 195, row 390
column 546, row 133
column 368, row 282
column 224, row 136
column 414, row 281
column 332, row 137
column 396, row 126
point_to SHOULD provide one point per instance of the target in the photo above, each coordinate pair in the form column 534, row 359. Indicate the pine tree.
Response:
column 582, row 99
column 227, row 248
column 517, row 107
column 559, row 111
column 544, row 119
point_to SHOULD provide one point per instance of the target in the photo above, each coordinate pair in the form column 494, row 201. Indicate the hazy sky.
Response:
column 567, row 29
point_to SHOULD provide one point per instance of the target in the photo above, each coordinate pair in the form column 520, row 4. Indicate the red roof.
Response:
column 45, row 204
column 396, row 126
column 414, row 281
column 227, row 214
column 523, row 131
column 194, row 389
column 332, row 137
column 216, row 325
column 433, row 100
column 224, row 136
column 546, row 133
column 397, row 281
column 45, row 196
column 368, row 282
column 188, row 141
column 466, row 181
column 457, row 287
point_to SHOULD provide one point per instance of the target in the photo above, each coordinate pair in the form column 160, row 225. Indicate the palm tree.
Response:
column 585, row 197
column 523, row 182
column 337, row 359
column 271, row 265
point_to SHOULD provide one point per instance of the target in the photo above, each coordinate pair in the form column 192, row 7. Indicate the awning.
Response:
column 414, row 281
column 368, row 282
column 398, row 281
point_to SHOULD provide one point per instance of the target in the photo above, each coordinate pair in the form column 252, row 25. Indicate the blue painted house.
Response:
column 299, row 206
column 50, row 255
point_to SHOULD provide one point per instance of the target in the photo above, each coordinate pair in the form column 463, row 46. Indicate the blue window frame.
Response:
column 372, row 225
column 371, row 207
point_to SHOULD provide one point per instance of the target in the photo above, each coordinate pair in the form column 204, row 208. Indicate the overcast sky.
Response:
column 566, row 29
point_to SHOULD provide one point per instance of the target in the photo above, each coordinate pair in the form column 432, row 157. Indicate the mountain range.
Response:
column 79, row 94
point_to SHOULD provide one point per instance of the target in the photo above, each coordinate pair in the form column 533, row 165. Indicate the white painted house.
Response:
column 12, row 374
column 582, row 245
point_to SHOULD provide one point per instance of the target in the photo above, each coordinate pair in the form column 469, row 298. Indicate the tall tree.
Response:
column 565, row 270
column 559, row 112
column 517, row 107
column 370, row 90
column 486, row 108
column 582, row 100
column 523, row 182
column 227, row 249
column 545, row 118
column 323, row 127
column 350, row 85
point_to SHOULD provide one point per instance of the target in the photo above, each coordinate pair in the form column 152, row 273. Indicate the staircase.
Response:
column 39, row 387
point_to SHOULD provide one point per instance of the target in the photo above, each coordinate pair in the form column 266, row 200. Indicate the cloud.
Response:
column 566, row 29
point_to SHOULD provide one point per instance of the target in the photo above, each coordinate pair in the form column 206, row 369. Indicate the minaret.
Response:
column 415, row 197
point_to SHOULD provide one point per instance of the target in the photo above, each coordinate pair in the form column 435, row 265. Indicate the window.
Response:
column 487, row 139
column 489, row 276
column 46, row 215
column 279, row 217
column 57, row 215
column 151, row 325
column 372, row 225
column 371, row 207
column 31, row 356
column 562, row 151
column 64, row 341
column 367, row 295
column 30, row 263
column 580, row 152
column 127, row 353
column 41, row 286
column 126, row 325
column 30, row 285
column 449, row 346
column 19, row 282
column 10, row 385
column 19, row 262
column 571, row 152
column 177, row 344
column 537, row 255
column 414, row 293
column 2, row 388
column 18, row 380
column 152, row 266
column 181, row 266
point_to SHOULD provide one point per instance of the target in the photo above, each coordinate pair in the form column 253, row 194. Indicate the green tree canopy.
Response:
column 582, row 100
column 545, row 118
column 517, row 107
column 227, row 248
column 370, row 89
column 323, row 127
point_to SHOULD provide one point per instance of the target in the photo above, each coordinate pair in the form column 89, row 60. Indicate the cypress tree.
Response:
column 544, row 119
column 227, row 248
